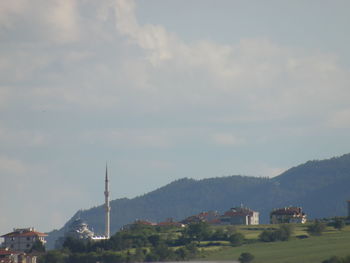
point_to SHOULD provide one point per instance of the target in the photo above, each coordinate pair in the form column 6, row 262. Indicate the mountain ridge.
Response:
column 309, row 185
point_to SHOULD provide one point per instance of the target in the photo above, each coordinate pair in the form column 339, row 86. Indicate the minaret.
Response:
column 107, row 206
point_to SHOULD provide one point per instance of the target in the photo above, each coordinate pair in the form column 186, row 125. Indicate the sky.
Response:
column 161, row 90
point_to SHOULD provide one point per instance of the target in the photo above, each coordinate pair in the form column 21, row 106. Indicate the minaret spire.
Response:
column 107, row 206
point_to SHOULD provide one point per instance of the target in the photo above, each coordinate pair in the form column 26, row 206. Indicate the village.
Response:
column 20, row 245
column 24, row 245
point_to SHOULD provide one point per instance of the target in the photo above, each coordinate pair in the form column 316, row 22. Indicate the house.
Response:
column 288, row 215
column 10, row 256
column 210, row 217
column 240, row 216
column 22, row 239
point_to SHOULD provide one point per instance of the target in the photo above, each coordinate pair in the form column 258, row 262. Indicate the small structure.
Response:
column 22, row 239
column 288, row 215
column 211, row 217
column 348, row 208
column 240, row 216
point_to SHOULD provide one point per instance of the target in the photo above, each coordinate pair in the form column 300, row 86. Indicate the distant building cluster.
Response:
column 18, row 244
column 235, row 216
column 288, row 215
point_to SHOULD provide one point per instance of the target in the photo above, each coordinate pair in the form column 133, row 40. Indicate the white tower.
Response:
column 107, row 206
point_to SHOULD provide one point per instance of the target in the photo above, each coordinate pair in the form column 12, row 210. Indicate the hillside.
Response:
column 320, row 187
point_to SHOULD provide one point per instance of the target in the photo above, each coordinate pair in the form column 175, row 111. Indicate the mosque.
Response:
column 78, row 229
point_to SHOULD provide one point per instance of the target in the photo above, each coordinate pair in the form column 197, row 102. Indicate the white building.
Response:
column 240, row 216
column 22, row 239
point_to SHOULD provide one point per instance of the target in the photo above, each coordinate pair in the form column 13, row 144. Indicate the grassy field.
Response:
column 314, row 249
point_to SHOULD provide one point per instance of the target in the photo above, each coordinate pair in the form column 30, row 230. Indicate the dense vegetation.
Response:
column 258, row 244
column 141, row 243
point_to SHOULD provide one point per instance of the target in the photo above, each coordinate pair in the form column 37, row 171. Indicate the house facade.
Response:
column 240, row 216
column 288, row 215
column 22, row 239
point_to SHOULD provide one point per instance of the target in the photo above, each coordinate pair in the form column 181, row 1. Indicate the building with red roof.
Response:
column 290, row 214
column 22, row 239
column 10, row 256
column 210, row 217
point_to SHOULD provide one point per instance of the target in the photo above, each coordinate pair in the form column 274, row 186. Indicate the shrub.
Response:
column 268, row 236
column 284, row 232
column 316, row 228
column 339, row 223
column 246, row 257
column 236, row 239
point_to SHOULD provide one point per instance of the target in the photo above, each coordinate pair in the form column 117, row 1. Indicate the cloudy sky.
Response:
column 162, row 89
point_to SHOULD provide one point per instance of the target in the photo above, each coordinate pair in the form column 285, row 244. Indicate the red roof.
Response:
column 234, row 213
column 25, row 234
column 6, row 252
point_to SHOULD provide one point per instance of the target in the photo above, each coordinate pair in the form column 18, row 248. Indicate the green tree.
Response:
column 316, row 228
column 197, row 231
column 219, row 234
column 246, row 257
column 268, row 236
column 38, row 246
column 154, row 240
column 53, row 256
column 75, row 245
column 284, row 232
column 236, row 239
column 339, row 223
column 139, row 255
column 163, row 252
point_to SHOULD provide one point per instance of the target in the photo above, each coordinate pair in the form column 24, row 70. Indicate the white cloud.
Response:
column 62, row 16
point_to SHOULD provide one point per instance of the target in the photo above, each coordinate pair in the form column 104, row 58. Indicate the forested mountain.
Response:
column 320, row 187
